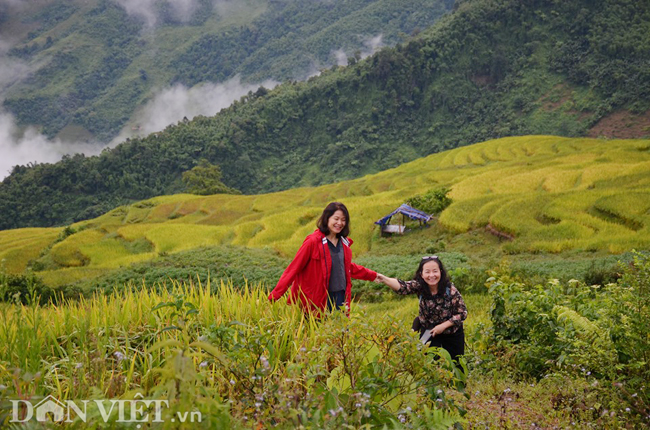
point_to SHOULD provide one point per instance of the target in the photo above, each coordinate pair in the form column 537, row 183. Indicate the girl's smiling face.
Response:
column 431, row 273
column 336, row 223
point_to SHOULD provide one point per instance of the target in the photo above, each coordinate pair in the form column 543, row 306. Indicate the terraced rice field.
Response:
column 547, row 194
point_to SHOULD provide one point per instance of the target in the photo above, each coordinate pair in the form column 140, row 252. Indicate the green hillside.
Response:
column 489, row 69
column 96, row 63
column 543, row 194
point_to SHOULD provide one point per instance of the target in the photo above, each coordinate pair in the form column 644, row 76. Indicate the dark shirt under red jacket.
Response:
column 309, row 272
column 437, row 309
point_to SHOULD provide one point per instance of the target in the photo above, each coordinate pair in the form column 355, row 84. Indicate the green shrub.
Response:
column 25, row 289
column 238, row 264
column 433, row 201
column 589, row 331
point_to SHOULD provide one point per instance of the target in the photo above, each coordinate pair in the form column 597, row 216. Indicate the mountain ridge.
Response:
column 489, row 69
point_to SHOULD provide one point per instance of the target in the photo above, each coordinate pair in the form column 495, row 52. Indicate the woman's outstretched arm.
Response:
column 393, row 283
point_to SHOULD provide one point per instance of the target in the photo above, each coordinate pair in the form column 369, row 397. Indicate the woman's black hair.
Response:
column 444, row 282
column 327, row 213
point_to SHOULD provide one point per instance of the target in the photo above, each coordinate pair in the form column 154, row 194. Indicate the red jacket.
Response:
column 309, row 274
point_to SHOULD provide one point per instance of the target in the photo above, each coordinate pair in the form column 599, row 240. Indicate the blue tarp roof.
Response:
column 407, row 210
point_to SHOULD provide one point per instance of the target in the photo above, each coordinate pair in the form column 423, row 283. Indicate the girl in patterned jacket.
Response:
column 442, row 309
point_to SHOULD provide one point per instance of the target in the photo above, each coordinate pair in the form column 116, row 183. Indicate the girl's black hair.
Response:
column 444, row 282
column 327, row 213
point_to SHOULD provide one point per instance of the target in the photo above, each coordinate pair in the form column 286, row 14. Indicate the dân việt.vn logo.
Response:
column 138, row 410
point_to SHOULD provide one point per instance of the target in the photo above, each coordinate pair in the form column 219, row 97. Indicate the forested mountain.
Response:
column 489, row 69
column 96, row 61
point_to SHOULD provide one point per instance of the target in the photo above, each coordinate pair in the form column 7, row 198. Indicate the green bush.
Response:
column 238, row 264
column 205, row 179
column 25, row 289
column 433, row 201
column 590, row 331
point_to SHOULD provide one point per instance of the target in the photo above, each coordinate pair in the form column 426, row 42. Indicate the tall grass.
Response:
column 226, row 352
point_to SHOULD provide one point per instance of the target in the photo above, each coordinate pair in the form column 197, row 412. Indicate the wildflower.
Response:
column 627, row 409
column 402, row 418
column 79, row 365
column 634, row 395
column 264, row 361
column 203, row 364
column 408, row 408
column 439, row 391
column 303, row 349
column 357, row 405
column 119, row 356
column 258, row 404
column 507, row 390
column 232, row 382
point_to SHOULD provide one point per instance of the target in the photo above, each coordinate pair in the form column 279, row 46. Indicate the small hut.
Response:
column 407, row 212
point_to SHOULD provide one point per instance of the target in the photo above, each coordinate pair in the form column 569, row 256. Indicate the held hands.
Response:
column 393, row 283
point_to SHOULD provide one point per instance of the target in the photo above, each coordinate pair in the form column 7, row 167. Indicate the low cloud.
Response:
column 341, row 57
column 167, row 107
column 13, row 3
column 20, row 148
column 11, row 70
column 171, row 105
column 183, row 10
column 148, row 11
column 371, row 45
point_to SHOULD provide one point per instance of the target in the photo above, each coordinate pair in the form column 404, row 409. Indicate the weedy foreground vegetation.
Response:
column 553, row 356
column 557, row 338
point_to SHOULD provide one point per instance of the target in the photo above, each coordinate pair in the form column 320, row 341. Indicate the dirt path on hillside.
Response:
column 622, row 124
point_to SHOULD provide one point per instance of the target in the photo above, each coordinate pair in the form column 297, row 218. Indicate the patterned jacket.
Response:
column 437, row 309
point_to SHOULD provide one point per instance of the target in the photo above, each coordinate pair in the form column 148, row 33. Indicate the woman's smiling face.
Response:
column 336, row 223
column 431, row 273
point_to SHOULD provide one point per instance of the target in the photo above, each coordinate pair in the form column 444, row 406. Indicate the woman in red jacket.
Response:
column 321, row 273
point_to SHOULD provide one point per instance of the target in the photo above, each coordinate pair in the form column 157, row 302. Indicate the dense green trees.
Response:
column 492, row 68
column 93, row 56
column 205, row 180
